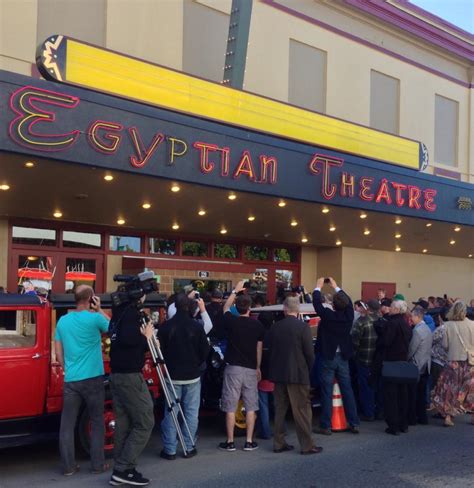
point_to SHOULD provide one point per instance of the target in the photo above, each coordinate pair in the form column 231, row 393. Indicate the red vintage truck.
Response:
column 31, row 380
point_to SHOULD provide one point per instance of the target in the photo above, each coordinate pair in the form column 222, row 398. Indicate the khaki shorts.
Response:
column 239, row 382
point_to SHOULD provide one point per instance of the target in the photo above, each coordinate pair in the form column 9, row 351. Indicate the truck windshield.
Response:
column 17, row 329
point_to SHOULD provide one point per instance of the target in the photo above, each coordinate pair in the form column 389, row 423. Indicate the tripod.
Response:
column 173, row 403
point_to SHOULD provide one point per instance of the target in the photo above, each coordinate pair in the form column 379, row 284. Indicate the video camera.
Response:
column 132, row 288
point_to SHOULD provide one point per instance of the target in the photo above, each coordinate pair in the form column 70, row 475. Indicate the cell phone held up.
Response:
column 327, row 281
column 197, row 296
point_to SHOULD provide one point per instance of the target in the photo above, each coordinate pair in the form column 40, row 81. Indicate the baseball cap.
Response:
column 216, row 293
column 422, row 303
column 373, row 305
column 188, row 289
column 399, row 296
column 386, row 302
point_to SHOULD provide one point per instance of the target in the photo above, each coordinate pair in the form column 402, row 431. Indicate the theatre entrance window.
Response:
column 283, row 283
column 83, row 240
column 284, row 255
column 38, row 270
column 255, row 253
column 80, row 271
column 226, row 251
column 168, row 247
column 202, row 286
column 125, row 243
column 33, row 236
column 195, row 248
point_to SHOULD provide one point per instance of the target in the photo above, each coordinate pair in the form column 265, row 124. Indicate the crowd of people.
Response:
column 390, row 363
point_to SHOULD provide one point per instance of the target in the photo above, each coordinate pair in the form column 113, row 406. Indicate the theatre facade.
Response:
column 115, row 165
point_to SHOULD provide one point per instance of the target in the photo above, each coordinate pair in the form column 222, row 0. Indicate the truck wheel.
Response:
column 84, row 428
column 240, row 426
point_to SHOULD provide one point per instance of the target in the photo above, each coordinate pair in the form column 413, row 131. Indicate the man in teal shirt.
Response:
column 79, row 351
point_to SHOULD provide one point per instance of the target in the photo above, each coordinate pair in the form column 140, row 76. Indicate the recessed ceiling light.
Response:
column 175, row 226
column 232, row 196
column 363, row 215
column 57, row 214
column 457, row 228
column 108, row 177
column 325, row 210
column 332, row 228
column 4, row 187
column 282, row 203
column 202, row 212
column 223, row 231
column 121, row 221
column 425, row 250
column 338, row 242
column 398, row 220
column 452, row 241
column 398, row 249
column 304, row 239
column 429, row 224
column 397, row 236
column 250, row 218
column 366, row 232
column 469, row 255
column 175, row 188
column 293, row 223
column 32, row 258
column 29, row 164
column 146, row 205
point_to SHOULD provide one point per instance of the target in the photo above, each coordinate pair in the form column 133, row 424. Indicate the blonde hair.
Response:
column 457, row 312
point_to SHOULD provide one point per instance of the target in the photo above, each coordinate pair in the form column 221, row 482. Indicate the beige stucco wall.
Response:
column 416, row 275
column 348, row 76
column 330, row 264
column 3, row 252
column 309, row 266
column 114, row 266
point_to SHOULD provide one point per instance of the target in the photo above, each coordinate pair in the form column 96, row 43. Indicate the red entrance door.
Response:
column 370, row 288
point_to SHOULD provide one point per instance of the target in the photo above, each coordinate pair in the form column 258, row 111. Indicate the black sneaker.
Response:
column 250, row 446
column 227, row 446
column 116, row 483
column 130, row 477
column 191, row 453
column 165, row 455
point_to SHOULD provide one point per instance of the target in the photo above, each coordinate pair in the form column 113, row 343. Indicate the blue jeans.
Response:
column 190, row 396
column 339, row 368
column 263, row 416
column 366, row 392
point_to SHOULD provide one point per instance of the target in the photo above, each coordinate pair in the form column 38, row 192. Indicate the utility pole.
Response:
column 237, row 42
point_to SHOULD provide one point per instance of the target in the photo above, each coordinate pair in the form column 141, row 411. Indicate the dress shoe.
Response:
column 322, row 431
column 286, row 447
column 191, row 453
column 313, row 450
column 388, row 430
column 353, row 429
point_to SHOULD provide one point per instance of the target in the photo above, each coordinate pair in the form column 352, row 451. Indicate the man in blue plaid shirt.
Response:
column 364, row 338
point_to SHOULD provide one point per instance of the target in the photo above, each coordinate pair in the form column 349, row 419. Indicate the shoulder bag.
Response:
column 469, row 352
column 400, row 372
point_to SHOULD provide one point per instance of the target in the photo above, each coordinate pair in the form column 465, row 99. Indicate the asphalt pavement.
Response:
column 429, row 456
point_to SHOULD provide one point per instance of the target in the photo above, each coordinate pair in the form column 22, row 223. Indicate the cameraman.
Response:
column 133, row 405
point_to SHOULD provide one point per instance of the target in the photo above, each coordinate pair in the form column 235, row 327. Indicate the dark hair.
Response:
column 242, row 303
column 258, row 300
column 182, row 302
column 340, row 301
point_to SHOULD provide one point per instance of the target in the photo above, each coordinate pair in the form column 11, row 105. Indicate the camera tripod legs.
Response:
column 172, row 401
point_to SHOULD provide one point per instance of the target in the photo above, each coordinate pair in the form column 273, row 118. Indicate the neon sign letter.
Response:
column 144, row 154
column 329, row 189
column 22, row 128
column 109, row 142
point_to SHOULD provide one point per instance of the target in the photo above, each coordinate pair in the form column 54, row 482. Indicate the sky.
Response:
column 458, row 12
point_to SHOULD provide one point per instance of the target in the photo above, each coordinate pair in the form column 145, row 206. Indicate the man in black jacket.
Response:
column 185, row 348
column 291, row 359
column 133, row 406
column 334, row 343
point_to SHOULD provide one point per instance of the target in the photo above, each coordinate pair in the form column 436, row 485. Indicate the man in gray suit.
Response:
column 291, row 359
column 419, row 353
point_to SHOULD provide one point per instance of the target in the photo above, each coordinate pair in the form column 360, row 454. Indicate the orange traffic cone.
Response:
column 338, row 419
